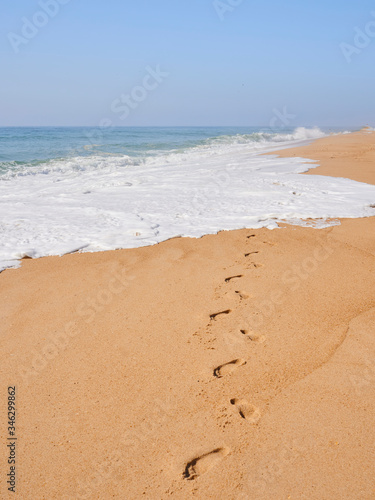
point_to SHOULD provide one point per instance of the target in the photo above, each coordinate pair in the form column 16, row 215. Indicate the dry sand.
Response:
column 235, row 366
column 348, row 155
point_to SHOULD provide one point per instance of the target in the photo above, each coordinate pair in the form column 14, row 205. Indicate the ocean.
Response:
column 64, row 189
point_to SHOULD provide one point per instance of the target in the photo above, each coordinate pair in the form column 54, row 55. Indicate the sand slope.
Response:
column 236, row 366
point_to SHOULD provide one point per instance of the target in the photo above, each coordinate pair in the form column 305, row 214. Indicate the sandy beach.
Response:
column 235, row 366
column 350, row 155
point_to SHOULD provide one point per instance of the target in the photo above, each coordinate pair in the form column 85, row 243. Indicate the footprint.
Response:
column 242, row 295
column 250, row 236
column 214, row 316
column 204, row 463
column 247, row 411
column 254, row 337
column 233, row 278
column 228, row 368
column 255, row 265
column 250, row 253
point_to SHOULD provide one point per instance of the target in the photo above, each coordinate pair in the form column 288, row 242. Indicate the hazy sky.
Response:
column 220, row 62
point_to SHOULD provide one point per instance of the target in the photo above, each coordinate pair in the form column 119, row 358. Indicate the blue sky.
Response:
column 230, row 69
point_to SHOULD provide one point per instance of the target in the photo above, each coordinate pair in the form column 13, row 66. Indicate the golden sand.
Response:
column 236, row 366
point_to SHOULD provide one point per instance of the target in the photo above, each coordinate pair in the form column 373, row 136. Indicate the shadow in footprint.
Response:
column 228, row 368
column 204, row 463
column 227, row 280
column 215, row 315
column 247, row 411
column 250, row 253
column 254, row 337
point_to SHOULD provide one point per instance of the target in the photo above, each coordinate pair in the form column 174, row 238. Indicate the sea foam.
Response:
column 106, row 202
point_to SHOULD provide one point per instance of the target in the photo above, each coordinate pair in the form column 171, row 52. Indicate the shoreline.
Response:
column 235, row 365
column 130, row 207
column 336, row 155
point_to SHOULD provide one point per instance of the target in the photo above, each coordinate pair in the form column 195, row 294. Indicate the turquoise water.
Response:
column 33, row 145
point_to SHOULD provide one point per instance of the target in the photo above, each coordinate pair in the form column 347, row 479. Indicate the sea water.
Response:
column 91, row 189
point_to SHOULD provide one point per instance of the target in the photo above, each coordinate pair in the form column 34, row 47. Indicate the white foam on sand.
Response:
column 101, row 203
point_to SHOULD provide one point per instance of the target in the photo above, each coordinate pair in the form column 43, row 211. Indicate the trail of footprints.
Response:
column 246, row 411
